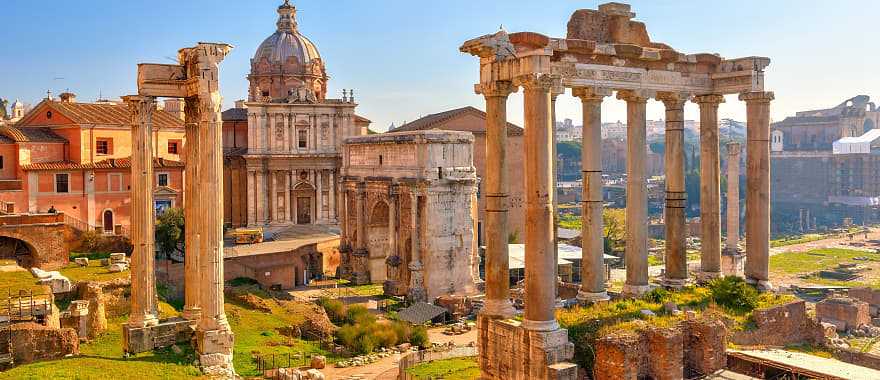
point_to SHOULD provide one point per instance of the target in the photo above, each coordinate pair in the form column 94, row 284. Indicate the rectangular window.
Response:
column 172, row 147
column 103, row 146
column 61, row 183
column 1, row 162
column 163, row 179
column 302, row 137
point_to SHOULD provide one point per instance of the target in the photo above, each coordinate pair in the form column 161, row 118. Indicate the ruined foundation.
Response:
column 508, row 351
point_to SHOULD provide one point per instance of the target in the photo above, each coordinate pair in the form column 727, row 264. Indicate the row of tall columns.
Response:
column 143, row 280
column 540, row 260
column 592, row 234
column 676, row 194
column 497, row 303
column 758, row 187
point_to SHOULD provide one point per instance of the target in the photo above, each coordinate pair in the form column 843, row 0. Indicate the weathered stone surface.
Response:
column 82, row 261
column 705, row 345
column 665, row 353
column 117, row 257
column 319, row 362
column 314, row 374
column 56, row 282
column 780, row 326
column 33, row 342
column 507, row 351
column 165, row 334
column 843, row 312
column 619, row 357
column 118, row 267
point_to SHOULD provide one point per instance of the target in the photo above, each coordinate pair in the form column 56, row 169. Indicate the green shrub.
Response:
column 657, row 295
column 419, row 337
column 96, row 242
column 359, row 314
column 734, row 293
column 335, row 310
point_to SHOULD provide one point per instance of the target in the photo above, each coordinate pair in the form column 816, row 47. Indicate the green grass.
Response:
column 12, row 282
column 448, row 369
column 654, row 260
column 571, row 222
column 815, row 260
column 102, row 359
column 798, row 239
column 93, row 272
column 810, row 350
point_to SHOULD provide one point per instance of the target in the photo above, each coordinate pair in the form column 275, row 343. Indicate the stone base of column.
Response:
column 508, row 351
column 675, row 283
column 192, row 314
column 733, row 262
column 633, row 291
column 704, row 277
column 360, row 264
column 762, row 285
column 502, row 308
column 586, row 298
column 168, row 332
column 214, row 348
column 393, row 288
column 551, row 325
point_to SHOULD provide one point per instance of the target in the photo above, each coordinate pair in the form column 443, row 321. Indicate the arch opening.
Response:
column 16, row 250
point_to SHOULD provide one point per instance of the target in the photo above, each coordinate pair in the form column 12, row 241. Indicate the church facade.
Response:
column 283, row 145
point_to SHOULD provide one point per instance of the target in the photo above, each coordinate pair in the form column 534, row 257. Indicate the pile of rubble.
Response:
column 459, row 328
column 381, row 353
column 54, row 280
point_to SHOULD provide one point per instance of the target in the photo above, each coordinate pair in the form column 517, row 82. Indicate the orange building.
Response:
column 75, row 158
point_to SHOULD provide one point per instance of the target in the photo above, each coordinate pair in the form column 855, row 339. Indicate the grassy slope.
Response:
column 448, row 369
column 93, row 272
column 815, row 260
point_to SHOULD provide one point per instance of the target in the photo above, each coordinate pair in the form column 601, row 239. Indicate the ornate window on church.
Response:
column 302, row 138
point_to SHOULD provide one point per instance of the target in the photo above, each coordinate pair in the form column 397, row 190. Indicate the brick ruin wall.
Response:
column 33, row 342
column 781, row 326
column 694, row 347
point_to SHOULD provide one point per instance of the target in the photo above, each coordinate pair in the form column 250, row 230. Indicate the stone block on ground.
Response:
column 105, row 262
column 118, row 267
column 314, row 374
column 665, row 353
column 117, row 257
column 844, row 312
column 618, row 357
column 57, row 282
column 40, row 274
column 318, row 362
column 34, row 342
column 82, row 261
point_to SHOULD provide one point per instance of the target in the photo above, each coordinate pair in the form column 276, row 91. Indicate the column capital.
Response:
column 673, row 100
column 590, row 94
column 711, row 99
column 635, row 96
column 539, row 82
column 757, row 96
column 493, row 89
column 133, row 99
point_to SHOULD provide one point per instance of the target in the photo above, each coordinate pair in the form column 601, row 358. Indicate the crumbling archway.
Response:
column 18, row 250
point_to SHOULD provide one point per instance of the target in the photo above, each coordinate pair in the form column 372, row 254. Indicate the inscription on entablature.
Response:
column 392, row 155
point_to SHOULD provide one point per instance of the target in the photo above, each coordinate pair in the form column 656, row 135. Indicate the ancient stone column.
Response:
column 191, row 211
column 592, row 237
column 251, row 195
column 758, row 187
column 214, row 338
column 733, row 153
column 676, row 195
column 417, row 291
column 332, row 195
column 636, row 194
column 143, row 278
column 497, row 301
column 360, row 256
column 392, row 220
column 710, row 187
column 287, row 214
column 319, row 195
column 540, row 260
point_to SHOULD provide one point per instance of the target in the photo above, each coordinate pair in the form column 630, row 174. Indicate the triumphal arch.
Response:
column 195, row 79
column 606, row 51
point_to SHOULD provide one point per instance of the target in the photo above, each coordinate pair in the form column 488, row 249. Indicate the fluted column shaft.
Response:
column 758, row 187
column 676, row 194
column 592, row 236
column 143, row 280
column 710, row 187
column 540, row 260
column 192, row 237
column 496, row 189
column 636, row 193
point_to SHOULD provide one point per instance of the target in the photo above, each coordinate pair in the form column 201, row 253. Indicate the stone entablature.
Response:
column 409, row 213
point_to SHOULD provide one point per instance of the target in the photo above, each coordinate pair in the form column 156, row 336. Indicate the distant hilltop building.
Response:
column 825, row 166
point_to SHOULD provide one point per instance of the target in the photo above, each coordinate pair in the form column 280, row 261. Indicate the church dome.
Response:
column 287, row 64
column 287, row 41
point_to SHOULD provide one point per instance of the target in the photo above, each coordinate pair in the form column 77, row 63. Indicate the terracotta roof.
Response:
column 113, row 163
column 31, row 134
column 108, row 114
column 361, row 119
column 235, row 114
column 435, row 121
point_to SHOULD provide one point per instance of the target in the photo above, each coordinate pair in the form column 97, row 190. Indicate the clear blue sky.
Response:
column 402, row 58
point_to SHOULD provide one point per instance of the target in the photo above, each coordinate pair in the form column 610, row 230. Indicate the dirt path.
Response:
column 858, row 242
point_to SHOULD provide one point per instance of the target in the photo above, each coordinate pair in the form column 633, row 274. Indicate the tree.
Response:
column 170, row 231
column 614, row 221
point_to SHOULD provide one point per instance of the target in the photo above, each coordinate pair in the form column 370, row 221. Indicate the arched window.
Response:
column 108, row 221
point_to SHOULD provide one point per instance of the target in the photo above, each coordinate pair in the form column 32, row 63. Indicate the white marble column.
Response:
column 758, row 187
column 143, row 278
column 540, row 260
column 592, row 235
column 497, row 303
column 636, row 193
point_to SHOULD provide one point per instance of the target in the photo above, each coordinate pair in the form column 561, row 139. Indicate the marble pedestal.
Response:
column 733, row 262
column 167, row 333
column 507, row 351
